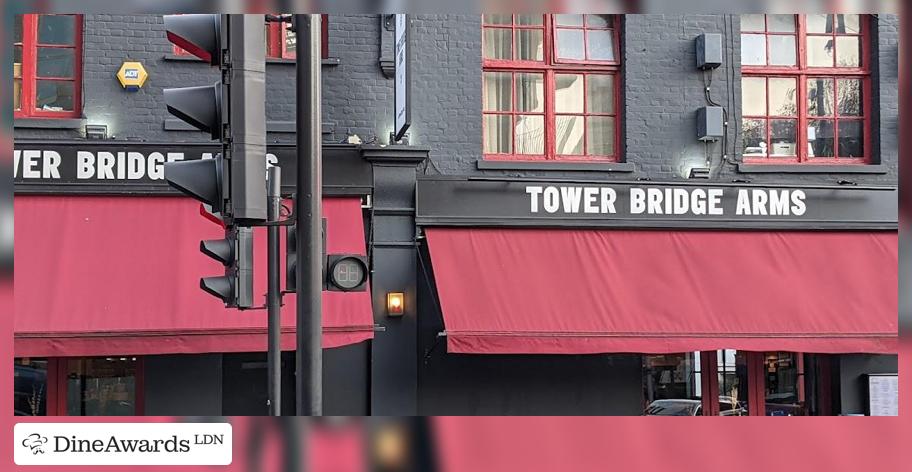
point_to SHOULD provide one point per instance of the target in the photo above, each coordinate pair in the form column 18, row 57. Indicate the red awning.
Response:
column 120, row 275
column 538, row 291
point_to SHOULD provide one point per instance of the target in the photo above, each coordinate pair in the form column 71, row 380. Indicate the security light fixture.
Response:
column 699, row 173
column 96, row 131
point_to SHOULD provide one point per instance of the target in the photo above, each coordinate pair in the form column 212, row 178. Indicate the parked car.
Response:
column 728, row 406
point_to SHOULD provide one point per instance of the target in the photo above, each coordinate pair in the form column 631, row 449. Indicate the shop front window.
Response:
column 101, row 386
column 30, row 379
column 672, row 385
column 733, row 382
column 785, row 392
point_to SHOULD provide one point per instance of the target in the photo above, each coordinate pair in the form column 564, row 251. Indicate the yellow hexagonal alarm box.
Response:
column 132, row 75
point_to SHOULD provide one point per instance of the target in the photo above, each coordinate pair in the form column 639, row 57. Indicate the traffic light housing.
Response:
column 235, row 252
column 341, row 272
column 233, row 111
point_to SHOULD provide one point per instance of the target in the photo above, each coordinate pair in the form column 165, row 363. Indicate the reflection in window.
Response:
column 101, row 386
column 784, row 374
column 536, row 104
column 804, row 109
column 30, row 387
column 672, row 384
column 733, row 383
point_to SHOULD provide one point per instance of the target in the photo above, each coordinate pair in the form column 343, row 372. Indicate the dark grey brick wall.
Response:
column 662, row 91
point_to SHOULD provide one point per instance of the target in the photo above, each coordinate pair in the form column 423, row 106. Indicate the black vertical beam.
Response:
column 309, row 355
column 273, row 293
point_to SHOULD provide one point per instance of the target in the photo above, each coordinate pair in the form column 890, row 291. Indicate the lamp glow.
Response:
column 395, row 303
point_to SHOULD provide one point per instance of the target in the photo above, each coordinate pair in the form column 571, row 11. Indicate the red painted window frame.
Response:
column 550, row 66
column 57, row 386
column 802, row 72
column 30, row 45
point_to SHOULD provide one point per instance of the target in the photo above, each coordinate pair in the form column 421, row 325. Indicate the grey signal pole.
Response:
column 274, row 291
column 309, row 354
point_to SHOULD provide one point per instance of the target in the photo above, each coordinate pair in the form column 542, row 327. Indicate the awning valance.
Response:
column 537, row 291
column 120, row 275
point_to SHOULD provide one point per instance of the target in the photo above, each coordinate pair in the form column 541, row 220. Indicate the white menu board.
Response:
column 883, row 395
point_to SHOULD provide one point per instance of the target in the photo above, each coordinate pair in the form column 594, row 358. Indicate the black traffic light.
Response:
column 235, row 252
column 341, row 272
column 233, row 111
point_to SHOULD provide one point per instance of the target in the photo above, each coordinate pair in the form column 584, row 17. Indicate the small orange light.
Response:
column 395, row 303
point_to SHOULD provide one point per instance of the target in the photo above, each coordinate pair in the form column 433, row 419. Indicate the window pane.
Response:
column 672, row 384
column 570, row 44
column 753, row 49
column 498, row 43
column 568, row 94
column 498, row 19
column 783, row 97
column 851, row 138
column 848, row 24
column 848, row 51
column 600, row 93
column 781, row 23
column 599, row 21
column 56, row 29
column 497, row 138
column 17, row 94
column 782, row 50
column 530, row 92
column 819, row 23
column 600, row 135
column 733, row 383
column 753, row 96
column 529, row 45
column 54, row 95
column 820, row 97
column 17, row 61
column 569, row 134
column 17, row 29
column 55, row 62
column 820, row 51
column 850, row 97
column 530, row 134
column 753, row 23
column 101, row 387
column 754, row 137
column 569, row 20
column 820, row 138
column 601, row 45
column 497, row 91
column 528, row 19
column 784, row 137
column 291, row 42
column 783, row 385
column 30, row 385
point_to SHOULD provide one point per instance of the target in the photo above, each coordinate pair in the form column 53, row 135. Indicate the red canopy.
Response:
column 120, row 275
column 537, row 291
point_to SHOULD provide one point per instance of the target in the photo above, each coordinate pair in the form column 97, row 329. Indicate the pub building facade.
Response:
column 573, row 224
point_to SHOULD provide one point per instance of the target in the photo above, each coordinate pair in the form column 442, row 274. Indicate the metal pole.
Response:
column 309, row 355
column 274, row 294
